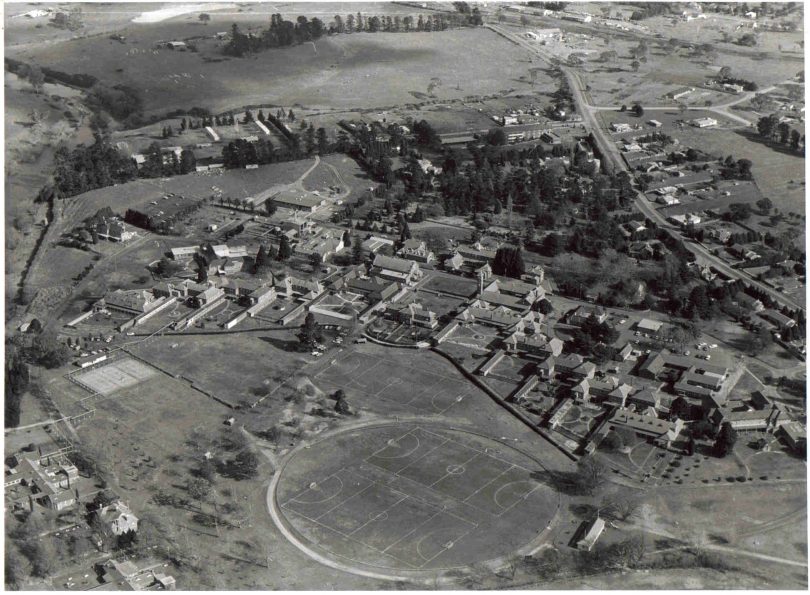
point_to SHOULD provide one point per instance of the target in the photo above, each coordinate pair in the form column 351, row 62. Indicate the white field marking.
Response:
column 479, row 451
column 381, row 516
column 396, row 441
column 398, row 471
column 342, row 502
column 349, row 537
column 523, row 497
column 424, row 502
column 489, row 482
column 310, row 489
column 468, row 461
column 444, row 549
column 438, row 512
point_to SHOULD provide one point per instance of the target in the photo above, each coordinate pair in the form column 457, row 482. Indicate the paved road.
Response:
column 611, row 153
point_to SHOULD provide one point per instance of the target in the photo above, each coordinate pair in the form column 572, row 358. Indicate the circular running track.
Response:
column 406, row 500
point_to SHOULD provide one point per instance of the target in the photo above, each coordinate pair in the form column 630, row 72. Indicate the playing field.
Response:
column 413, row 497
column 119, row 374
column 423, row 391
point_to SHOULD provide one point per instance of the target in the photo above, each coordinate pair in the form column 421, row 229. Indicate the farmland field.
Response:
column 359, row 70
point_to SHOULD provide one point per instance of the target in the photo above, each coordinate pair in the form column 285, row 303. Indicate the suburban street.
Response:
column 609, row 150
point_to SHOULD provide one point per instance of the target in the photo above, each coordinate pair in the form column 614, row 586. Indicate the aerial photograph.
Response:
column 405, row 296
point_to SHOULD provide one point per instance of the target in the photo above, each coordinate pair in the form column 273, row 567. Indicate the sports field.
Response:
column 413, row 497
column 423, row 391
column 122, row 373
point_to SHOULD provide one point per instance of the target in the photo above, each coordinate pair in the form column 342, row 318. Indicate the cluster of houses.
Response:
column 40, row 478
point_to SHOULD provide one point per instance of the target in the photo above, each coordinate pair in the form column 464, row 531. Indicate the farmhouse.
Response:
column 176, row 45
column 621, row 127
column 536, row 344
column 396, row 269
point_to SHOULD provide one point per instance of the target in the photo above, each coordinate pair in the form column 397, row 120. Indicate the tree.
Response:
column 589, row 476
column 794, row 139
column 612, row 442
column 262, row 260
column 284, row 249
column 167, row 267
column 724, row 73
column 205, row 18
column 635, row 65
column 551, row 245
column 638, row 110
column 765, row 205
column 357, row 250
column 784, row 132
column 509, row 262
column 270, row 207
column 35, row 78
column 314, row 261
column 767, row 126
column 726, row 439
column 310, row 334
column 245, row 465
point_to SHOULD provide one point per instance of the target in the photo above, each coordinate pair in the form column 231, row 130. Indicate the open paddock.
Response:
column 226, row 365
column 414, row 498
column 779, row 174
column 378, row 377
column 339, row 71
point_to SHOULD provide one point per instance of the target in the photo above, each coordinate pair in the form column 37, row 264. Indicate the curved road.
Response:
column 610, row 152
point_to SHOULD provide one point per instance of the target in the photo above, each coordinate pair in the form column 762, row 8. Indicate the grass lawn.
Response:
column 342, row 71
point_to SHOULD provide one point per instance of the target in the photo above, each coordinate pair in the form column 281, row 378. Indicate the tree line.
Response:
column 284, row 33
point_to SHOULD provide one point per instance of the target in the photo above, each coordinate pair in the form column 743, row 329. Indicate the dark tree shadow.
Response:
column 754, row 137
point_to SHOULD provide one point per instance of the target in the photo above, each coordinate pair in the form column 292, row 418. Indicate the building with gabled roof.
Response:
column 536, row 344
column 658, row 430
column 135, row 301
column 416, row 250
column 396, row 269
column 593, row 530
column 118, row 517
column 414, row 314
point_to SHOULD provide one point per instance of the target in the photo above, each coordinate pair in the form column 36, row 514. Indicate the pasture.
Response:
column 410, row 388
column 779, row 174
column 413, row 498
column 351, row 71
column 234, row 367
